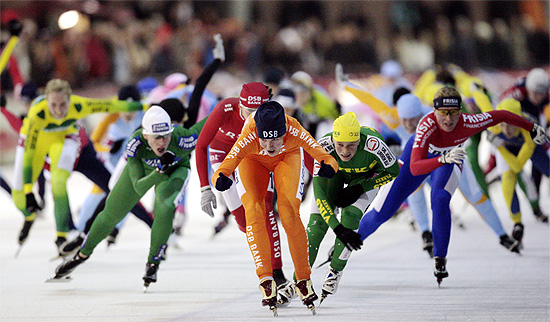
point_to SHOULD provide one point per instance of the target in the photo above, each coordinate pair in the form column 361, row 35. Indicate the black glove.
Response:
column 116, row 146
column 348, row 195
column 166, row 160
column 223, row 183
column 326, row 171
column 14, row 27
column 350, row 238
column 32, row 205
column 2, row 100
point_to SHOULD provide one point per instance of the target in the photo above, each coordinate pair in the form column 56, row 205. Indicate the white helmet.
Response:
column 301, row 78
column 537, row 81
column 156, row 121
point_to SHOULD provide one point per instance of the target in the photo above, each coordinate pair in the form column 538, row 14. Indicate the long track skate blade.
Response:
column 311, row 307
column 273, row 309
column 63, row 279
column 56, row 258
column 18, row 251
column 324, row 263
column 323, row 297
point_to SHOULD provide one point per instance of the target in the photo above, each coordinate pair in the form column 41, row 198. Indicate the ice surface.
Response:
column 213, row 279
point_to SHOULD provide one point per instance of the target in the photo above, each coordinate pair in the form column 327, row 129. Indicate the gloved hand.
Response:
column 223, row 183
column 538, row 134
column 14, row 27
column 456, row 155
column 218, row 51
column 116, row 146
column 2, row 100
column 348, row 195
column 208, row 200
column 32, row 205
column 166, row 161
column 326, row 171
column 350, row 238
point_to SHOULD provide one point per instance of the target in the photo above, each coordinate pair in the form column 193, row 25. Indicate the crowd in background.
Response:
column 124, row 41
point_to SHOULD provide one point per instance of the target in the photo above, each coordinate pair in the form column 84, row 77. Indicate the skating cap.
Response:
column 537, row 81
column 253, row 95
column 175, row 109
column 174, row 80
column 147, row 84
column 391, row 69
column 409, row 106
column 302, row 81
column 129, row 93
column 270, row 120
column 156, row 121
column 346, row 128
column 510, row 105
column 287, row 98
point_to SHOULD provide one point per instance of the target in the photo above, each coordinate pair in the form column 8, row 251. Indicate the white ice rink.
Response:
column 213, row 279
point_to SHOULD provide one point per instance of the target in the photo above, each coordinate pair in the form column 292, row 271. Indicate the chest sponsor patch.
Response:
column 327, row 144
column 377, row 147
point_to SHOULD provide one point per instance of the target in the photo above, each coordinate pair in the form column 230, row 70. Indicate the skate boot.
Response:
column 285, row 293
column 428, row 245
column 111, row 239
column 268, row 288
column 223, row 223
column 304, row 288
column 150, row 275
column 540, row 216
column 66, row 268
column 440, row 269
column 24, row 233
column 332, row 279
column 60, row 242
column 509, row 243
column 517, row 234
column 73, row 245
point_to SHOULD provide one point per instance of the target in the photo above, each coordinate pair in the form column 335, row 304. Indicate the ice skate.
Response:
column 286, row 293
column 223, row 223
column 304, row 288
column 111, row 239
column 71, row 246
column 150, row 275
column 517, row 234
column 23, row 234
column 329, row 259
column 268, row 288
column 428, row 243
column 509, row 243
column 62, row 271
column 332, row 279
column 540, row 216
column 440, row 269
column 60, row 243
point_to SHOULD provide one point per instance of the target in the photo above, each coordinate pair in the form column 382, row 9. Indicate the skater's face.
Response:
column 410, row 123
column 447, row 118
column 510, row 131
column 536, row 98
column 58, row 104
column 246, row 111
column 158, row 143
column 346, row 150
column 127, row 116
column 272, row 146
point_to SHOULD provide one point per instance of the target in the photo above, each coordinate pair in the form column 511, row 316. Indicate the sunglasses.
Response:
column 165, row 136
column 452, row 112
column 250, row 110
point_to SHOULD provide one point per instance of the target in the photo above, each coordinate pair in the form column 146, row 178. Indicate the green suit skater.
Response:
column 158, row 155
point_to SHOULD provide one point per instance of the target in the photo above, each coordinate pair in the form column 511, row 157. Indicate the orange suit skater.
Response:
column 274, row 142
